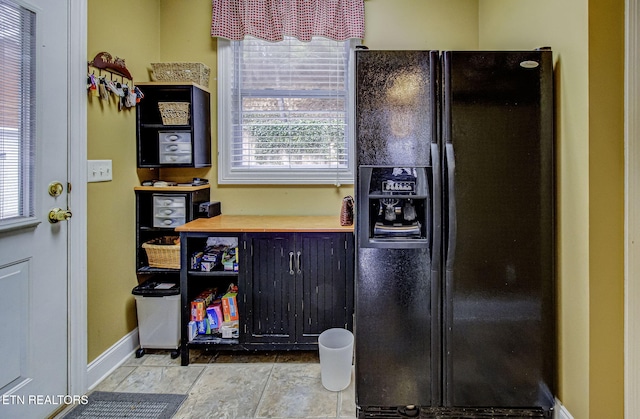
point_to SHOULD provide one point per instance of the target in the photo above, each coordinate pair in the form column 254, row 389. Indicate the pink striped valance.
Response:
column 272, row 20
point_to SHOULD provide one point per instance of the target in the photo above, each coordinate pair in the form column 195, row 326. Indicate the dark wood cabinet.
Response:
column 270, row 289
column 172, row 142
column 291, row 286
column 297, row 286
column 325, row 295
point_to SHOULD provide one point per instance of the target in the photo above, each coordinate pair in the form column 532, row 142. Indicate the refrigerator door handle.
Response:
column 451, row 213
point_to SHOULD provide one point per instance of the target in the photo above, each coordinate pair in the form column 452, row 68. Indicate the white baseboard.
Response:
column 561, row 412
column 112, row 358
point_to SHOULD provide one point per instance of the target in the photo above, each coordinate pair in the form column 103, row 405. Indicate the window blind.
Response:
column 289, row 107
column 17, row 111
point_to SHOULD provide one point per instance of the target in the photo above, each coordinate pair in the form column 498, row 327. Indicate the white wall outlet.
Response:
column 99, row 171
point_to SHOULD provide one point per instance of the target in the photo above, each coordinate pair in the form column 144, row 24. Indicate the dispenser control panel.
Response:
column 398, row 186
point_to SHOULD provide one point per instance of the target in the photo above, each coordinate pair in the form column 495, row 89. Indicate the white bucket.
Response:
column 336, row 355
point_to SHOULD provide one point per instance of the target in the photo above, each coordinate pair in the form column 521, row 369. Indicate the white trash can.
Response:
column 336, row 356
column 158, row 310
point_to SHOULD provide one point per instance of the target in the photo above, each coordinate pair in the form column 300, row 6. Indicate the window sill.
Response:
column 21, row 224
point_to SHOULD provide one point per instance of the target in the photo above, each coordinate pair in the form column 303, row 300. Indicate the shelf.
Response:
column 213, row 273
column 150, row 270
column 190, row 188
column 167, row 127
column 213, row 340
column 173, row 84
column 149, row 125
column 398, row 239
column 399, row 196
column 144, row 228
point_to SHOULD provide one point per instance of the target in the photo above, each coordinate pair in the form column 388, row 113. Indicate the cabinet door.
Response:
column 324, row 285
column 270, row 289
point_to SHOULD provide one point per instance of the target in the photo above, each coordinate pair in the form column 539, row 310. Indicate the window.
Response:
column 17, row 111
column 285, row 111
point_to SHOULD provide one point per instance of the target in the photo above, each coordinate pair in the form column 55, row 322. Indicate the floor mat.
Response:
column 103, row 404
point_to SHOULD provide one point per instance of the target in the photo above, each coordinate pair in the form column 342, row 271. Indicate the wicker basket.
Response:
column 182, row 72
column 163, row 252
column 174, row 113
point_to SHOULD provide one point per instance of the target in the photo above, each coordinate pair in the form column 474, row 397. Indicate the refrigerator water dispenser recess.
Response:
column 396, row 206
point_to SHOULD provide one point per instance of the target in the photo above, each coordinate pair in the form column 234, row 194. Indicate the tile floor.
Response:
column 236, row 385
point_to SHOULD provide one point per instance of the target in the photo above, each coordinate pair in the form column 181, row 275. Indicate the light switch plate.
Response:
column 99, row 171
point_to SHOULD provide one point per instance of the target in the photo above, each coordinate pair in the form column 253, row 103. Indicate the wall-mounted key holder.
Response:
column 127, row 95
column 104, row 61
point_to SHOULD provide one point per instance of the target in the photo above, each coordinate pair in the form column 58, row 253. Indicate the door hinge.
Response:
column 68, row 187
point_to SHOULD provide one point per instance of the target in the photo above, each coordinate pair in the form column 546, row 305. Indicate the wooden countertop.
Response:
column 265, row 223
column 179, row 188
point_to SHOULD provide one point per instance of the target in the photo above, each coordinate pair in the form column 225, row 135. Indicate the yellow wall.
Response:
column 588, row 44
column 421, row 24
column 606, row 208
column 127, row 29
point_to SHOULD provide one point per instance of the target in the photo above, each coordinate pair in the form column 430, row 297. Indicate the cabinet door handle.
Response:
column 299, row 263
column 291, row 263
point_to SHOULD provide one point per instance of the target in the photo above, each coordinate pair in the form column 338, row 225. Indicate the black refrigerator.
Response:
column 455, row 311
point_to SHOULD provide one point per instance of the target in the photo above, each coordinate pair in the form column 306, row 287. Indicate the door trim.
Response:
column 77, row 175
column 632, row 211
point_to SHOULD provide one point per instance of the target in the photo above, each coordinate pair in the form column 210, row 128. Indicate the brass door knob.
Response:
column 58, row 214
column 55, row 189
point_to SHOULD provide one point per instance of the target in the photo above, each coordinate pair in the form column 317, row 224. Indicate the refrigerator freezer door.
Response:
column 393, row 328
column 397, row 284
column 396, row 108
column 498, row 296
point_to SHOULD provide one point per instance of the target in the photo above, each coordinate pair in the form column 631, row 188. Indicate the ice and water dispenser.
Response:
column 395, row 205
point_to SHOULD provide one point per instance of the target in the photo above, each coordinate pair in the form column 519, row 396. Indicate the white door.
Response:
column 34, row 379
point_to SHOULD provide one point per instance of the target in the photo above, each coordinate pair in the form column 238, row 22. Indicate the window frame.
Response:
column 25, row 133
column 227, row 174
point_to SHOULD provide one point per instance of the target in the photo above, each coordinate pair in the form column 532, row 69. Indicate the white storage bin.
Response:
column 175, row 147
column 171, row 201
column 158, row 310
column 169, row 137
column 168, row 221
column 169, row 148
column 169, row 210
column 175, row 158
